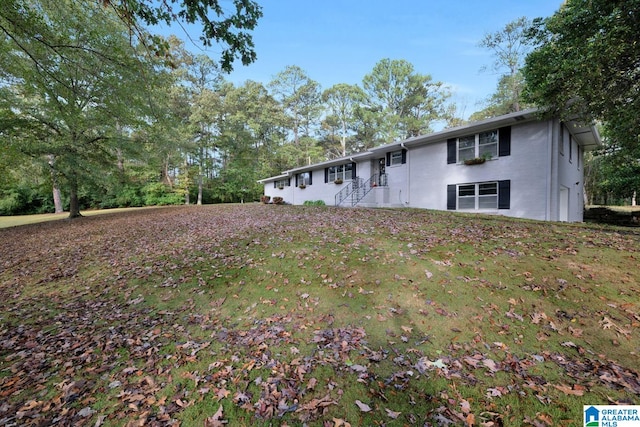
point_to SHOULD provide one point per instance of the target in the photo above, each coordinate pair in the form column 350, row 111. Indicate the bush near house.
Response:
column 614, row 215
column 314, row 203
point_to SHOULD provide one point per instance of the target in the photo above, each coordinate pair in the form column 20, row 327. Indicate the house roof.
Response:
column 586, row 135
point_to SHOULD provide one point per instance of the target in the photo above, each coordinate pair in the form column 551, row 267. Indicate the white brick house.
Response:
column 528, row 168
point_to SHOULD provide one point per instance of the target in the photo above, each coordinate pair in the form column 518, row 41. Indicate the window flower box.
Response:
column 475, row 161
column 338, row 181
column 302, row 186
column 478, row 160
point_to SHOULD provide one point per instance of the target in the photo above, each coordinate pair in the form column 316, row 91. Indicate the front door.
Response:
column 564, row 203
column 382, row 177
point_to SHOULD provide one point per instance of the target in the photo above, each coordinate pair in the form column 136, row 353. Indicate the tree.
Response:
column 587, row 66
column 299, row 97
column 341, row 101
column 510, row 47
column 229, row 28
column 407, row 101
column 250, row 140
column 506, row 99
column 71, row 76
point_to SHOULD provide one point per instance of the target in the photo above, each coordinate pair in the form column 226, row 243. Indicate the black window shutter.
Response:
column 288, row 182
column 353, row 170
column 297, row 175
column 451, row 151
column 504, row 194
column 274, row 184
column 504, row 141
column 388, row 159
column 310, row 175
column 451, row 197
column 404, row 156
column 326, row 175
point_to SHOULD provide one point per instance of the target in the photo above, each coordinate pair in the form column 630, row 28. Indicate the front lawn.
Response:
column 282, row 315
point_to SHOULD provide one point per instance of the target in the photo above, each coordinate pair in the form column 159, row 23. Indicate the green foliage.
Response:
column 125, row 197
column 76, row 81
column 586, row 66
column 158, row 194
column 408, row 102
column 509, row 47
column 25, row 200
column 314, row 203
column 229, row 29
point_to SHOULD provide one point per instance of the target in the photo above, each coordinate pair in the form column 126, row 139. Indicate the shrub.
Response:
column 25, row 200
column 278, row 200
column 158, row 194
column 314, row 203
column 265, row 199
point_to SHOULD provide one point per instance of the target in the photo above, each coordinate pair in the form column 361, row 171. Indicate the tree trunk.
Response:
column 57, row 197
column 200, row 189
column 74, row 205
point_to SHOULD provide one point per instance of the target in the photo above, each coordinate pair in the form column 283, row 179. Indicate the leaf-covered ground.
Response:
column 286, row 315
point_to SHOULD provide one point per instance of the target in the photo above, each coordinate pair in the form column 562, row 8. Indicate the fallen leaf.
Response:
column 216, row 419
column 566, row 389
column 392, row 414
column 363, row 406
column 407, row 329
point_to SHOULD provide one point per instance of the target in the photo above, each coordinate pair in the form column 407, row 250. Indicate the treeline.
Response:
column 91, row 120
column 97, row 113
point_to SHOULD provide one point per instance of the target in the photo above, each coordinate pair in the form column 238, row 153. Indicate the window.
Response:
column 396, row 158
column 343, row 172
column 281, row 183
column 570, row 149
column 488, row 144
column 466, row 148
column 483, row 144
column 303, row 179
column 479, row 196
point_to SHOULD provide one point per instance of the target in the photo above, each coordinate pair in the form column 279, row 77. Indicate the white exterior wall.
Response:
column 318, row 190
column 398, row 181
column 545, row 170
column 570, row 177
column 430, row 173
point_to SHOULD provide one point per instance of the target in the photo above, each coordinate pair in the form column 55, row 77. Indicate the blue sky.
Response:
column 340, row 41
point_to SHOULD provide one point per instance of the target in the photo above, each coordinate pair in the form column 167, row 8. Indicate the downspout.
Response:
column 407, row 179
column 292, row 189
column 550, row 167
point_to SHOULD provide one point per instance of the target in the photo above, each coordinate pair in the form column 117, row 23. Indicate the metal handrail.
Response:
column 357, row 189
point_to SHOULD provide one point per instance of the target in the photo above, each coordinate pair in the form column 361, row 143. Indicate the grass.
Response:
column 310, row 314
column 17, row 220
